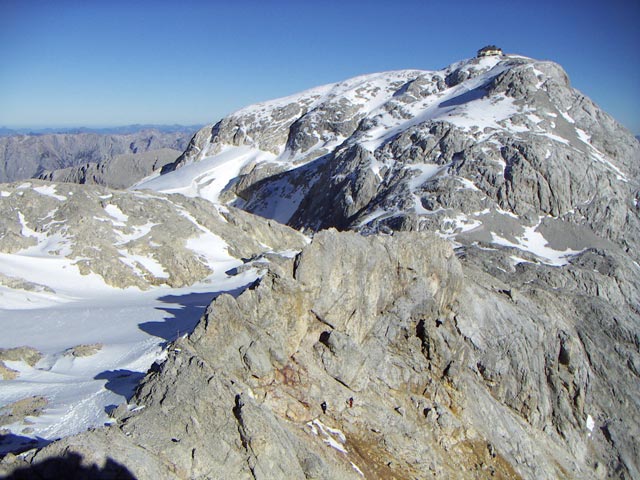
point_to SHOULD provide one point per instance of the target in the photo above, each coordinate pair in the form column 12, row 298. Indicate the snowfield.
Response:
column 207, row 178
column 127, row 327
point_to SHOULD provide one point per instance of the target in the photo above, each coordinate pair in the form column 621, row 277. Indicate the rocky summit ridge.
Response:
column 468, row 305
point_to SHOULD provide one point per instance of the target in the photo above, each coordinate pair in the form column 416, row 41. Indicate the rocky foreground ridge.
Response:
column 477, row 316
column 428, row 365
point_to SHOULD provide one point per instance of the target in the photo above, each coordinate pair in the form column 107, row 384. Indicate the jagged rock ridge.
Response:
column 438, row 369
column 118, row 172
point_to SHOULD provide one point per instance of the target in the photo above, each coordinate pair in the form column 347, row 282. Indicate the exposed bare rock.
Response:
column 84, row 350
column 21, row 284
column 441, row 368
column 130, row 239
column 29, row 355
column 497, row 146
column 482, row 322
column 27, row 407
column 7, row 373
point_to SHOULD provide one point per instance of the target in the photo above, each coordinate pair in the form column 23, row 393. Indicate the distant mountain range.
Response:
column 117, row 172
column 24, row 156
column 118, row 130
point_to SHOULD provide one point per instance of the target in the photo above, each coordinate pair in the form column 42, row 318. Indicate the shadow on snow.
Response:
column 12, row 443
column 466, row 97
column 184, row 312
column 121, row 382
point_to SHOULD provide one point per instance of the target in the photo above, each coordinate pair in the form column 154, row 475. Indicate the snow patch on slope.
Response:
column 208, row 177
column 50, row 191
column 534, row 242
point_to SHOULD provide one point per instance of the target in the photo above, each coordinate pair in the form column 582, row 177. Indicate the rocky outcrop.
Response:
column 26, row 407
column 130, row 238
column 29, row 355
column 507, row 349
column 26, row 156
column 539, row 163
column 388, row 357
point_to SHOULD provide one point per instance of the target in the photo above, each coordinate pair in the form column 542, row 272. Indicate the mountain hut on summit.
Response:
column 489, row 50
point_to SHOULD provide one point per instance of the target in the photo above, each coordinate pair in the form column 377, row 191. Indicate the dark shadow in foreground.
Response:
column 70, row 467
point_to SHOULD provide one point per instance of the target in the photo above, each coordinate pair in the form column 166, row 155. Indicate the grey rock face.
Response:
column 26, row 156
column 321, row 117
column 506, row 155
column 119, row 172
column 422, row 363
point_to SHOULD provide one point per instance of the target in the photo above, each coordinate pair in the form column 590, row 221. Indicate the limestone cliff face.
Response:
column 389, row 357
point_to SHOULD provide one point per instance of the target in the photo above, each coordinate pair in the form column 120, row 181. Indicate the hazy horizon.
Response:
column 103, row 65
column 98, row 126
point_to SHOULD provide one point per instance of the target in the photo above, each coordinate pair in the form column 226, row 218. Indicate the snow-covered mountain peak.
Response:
column 301, row 127
column 463, row 150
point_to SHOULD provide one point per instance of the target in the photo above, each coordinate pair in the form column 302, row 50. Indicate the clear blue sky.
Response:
column 113, row 62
